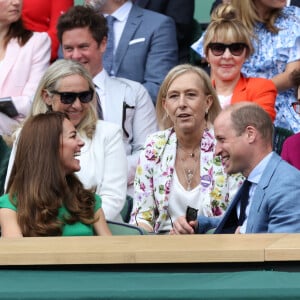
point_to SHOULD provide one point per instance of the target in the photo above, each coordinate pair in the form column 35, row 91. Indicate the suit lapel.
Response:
column 259, row 194
column 133, row 22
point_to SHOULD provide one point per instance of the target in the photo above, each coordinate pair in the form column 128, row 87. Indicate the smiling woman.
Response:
column 67, row 87
column 44, row 197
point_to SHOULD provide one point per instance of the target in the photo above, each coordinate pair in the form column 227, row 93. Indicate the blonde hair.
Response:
column 60, row 69
column 248, row 14
column 207, row 87
column 225, row 25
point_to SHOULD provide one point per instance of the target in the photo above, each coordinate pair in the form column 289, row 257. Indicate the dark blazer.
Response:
column 147, row 49
column 182, row 12
column 295, row 2
column 275, row 205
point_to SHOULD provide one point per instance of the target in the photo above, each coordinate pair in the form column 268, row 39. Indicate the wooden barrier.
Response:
column 149, row 249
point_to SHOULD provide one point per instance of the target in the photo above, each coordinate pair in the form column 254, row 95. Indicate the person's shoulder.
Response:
column 6, row 203
column 259, row 82
column 106, row 128
column 153, row 16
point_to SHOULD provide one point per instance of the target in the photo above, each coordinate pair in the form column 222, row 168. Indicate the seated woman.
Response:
column 177, row 167
column 67, row 87
column 44, row 197
column 291, row 146
column 226, row 46
column 24, row 57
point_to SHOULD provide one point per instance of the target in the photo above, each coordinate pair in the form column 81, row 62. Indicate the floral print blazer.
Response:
column 154, row 175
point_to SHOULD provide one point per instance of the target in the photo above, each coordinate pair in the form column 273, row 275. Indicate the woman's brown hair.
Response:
column 38, row 187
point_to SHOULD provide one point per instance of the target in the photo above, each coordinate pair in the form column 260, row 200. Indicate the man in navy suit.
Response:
column 145, row 45
column 244, row 141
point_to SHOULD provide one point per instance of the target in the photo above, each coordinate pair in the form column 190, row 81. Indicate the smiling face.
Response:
column 186, row 103
column 78, row 44
column 70, row 148
column 232, row 148
column 226, row 67
column 75, row 111
column 10, row 11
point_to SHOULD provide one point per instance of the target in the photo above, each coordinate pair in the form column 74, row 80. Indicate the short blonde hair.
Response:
column 49, row 82
column 174, row 73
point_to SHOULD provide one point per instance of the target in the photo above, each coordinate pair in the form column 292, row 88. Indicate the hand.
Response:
column 181, row 226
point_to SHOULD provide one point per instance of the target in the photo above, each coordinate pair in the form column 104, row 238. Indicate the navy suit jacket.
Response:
column 275, row 205
column 147, row 49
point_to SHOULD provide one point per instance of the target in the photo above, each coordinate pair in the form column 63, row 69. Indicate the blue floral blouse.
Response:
column 154, row 175
column 272, row 53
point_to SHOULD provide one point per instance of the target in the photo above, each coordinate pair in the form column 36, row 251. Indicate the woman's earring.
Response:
column 206, row 115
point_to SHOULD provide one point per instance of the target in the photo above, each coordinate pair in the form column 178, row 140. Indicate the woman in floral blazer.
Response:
column 177, row 167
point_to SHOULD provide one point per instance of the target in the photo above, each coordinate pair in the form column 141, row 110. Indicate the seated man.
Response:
column 83, row 35
column 244, row 142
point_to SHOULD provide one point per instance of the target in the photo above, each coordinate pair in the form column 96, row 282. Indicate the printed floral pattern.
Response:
column 154, row 176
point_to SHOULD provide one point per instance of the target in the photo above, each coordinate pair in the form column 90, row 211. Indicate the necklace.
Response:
column 190, row 154
column 189, row 172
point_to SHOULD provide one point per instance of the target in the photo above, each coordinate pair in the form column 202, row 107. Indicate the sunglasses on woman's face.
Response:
column 235, row 49
column 70, row 97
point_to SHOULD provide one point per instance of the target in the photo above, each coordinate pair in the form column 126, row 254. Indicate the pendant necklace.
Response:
column 188, row 172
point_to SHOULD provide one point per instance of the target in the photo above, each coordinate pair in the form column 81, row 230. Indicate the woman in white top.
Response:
column 67, row 87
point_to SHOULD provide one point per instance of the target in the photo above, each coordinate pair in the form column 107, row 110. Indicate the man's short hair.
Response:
column 244, row 114
column 80, row 16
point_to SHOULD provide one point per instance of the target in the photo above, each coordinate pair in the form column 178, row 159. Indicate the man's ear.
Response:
column 251, row 133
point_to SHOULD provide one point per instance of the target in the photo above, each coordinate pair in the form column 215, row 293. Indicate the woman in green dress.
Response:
column 45, row 198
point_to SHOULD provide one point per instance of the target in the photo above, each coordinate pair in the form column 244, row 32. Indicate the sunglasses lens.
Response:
column 236, row 49
column 85, row 97
column 217, row 49
column 67, row 98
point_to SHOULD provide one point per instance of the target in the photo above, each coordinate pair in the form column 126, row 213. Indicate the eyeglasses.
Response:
column 296, row 106
column 70, row 97
column 235, row 49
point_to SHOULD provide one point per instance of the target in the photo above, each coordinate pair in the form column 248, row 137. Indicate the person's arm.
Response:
column 283, row 81
column 58, row 7
column 144, row 123
column 143, row 202
column 9, row 224
column 162, row 56
column 100, row 226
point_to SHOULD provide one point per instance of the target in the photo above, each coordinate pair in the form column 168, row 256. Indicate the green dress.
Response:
column 76, row 229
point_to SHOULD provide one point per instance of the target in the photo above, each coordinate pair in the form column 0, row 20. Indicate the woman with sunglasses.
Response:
column 226, row 46
column 45, row 197
column 67, row 87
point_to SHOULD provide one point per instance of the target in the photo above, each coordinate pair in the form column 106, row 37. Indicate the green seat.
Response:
column 124, row 229
column 4, row 158
column 279, row 136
